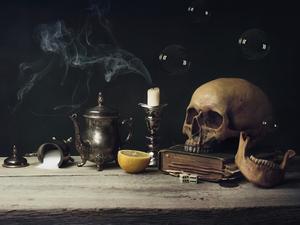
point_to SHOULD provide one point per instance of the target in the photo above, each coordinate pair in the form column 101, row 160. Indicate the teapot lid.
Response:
column 101, row 111
column 15, row 161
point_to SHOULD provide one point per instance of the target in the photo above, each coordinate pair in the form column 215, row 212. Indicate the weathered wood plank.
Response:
column 86, row 188
column 257, row 216
column 85, row 196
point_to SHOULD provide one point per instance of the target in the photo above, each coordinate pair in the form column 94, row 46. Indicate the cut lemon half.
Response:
column 133, row 161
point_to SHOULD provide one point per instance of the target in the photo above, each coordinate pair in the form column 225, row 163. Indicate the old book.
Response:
column 208, row 166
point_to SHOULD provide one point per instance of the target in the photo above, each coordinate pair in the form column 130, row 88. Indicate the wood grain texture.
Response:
column 257, row 216
column 84, row 196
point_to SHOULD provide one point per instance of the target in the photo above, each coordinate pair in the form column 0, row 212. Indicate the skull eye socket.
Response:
column 212, row 119
column 191, row 113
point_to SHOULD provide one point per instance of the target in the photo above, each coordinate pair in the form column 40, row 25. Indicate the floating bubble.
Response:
column 270, row 124
column 272, row 135
column 174, row 60
column 199, row 11
column 254, row 44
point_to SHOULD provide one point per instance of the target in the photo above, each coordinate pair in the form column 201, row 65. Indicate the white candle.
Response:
column 153, row 97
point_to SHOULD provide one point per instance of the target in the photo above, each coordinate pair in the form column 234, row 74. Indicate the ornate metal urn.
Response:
column 98, row 139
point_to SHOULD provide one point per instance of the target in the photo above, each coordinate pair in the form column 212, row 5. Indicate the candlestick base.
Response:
column 152, row 118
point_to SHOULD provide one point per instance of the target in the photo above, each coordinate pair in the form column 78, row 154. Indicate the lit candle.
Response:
column 153, row 97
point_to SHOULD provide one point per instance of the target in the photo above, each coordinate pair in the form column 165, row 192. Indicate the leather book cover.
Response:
column 208, row 166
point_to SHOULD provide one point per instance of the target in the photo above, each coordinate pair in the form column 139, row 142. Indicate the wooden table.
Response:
column 75, row 195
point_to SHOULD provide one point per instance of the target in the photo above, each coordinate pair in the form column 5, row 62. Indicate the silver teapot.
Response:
column 99, row 139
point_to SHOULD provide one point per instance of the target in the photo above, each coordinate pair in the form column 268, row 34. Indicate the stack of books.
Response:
column 208, row 166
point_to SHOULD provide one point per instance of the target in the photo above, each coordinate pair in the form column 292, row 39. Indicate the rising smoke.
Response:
column 67, row 49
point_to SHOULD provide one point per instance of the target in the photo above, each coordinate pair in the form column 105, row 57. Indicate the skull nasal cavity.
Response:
column 212, row 119
column 191, row 113
column 195, row 127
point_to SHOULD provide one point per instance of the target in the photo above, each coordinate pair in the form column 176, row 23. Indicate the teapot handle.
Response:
column 128, row 122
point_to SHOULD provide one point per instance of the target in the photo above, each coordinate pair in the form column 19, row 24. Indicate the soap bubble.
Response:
column 174, row 60
column 199, row 11
column 273, row 136
column 254, row 44
column 270, row 124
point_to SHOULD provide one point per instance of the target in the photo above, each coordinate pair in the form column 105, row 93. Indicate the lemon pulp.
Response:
column 134, row 153
column 133, row 161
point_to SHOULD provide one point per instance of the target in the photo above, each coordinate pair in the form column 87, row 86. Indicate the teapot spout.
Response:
column 82, row 148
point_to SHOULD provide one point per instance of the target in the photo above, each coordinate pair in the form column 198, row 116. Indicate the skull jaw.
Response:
column 261, row 172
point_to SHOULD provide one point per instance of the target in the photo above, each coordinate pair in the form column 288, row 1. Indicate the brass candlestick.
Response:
column 152, row 118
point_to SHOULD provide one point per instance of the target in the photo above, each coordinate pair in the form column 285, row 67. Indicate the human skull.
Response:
column 221, row 108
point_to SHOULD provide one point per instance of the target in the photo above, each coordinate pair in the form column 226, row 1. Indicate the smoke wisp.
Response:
column 80, row 50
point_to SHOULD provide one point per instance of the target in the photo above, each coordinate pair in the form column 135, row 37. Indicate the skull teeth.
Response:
column 193, row 149
column 263, row 162
column 196, row 149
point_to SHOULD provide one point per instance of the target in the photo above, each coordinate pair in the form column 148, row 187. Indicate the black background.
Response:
column 145, row 28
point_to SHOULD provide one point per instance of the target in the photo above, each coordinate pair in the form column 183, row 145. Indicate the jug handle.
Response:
column 129, row 123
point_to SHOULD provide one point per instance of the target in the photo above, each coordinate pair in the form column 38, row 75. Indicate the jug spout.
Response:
column 81, row 147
